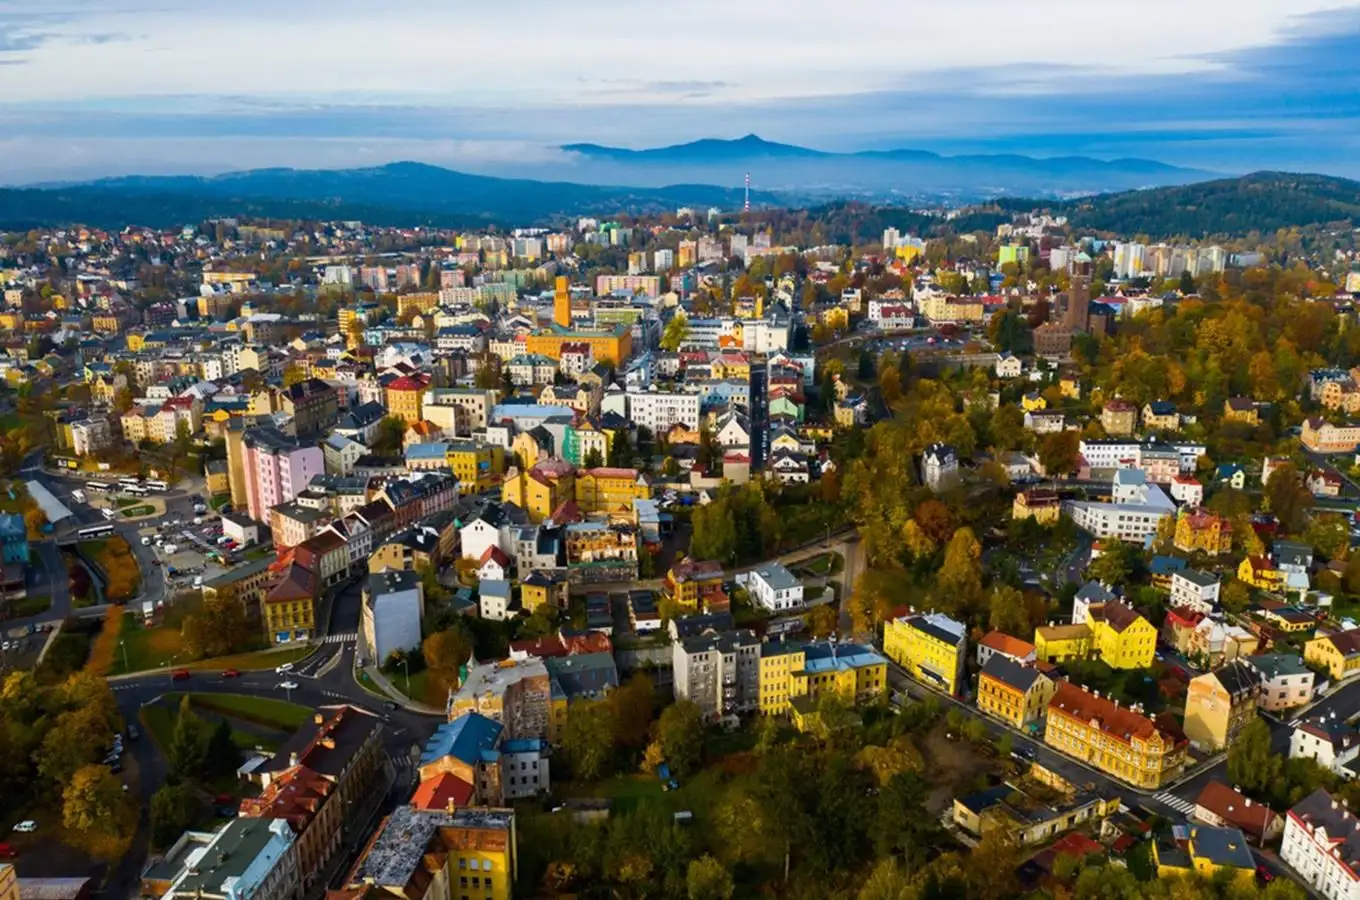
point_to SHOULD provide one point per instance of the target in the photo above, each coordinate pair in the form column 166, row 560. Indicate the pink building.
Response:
column 277, row 469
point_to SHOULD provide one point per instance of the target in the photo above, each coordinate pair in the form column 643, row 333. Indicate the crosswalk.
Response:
column 343, row 637
column 1182, row 806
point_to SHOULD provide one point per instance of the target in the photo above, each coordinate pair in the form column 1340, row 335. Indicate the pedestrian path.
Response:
column 1182, row 806
column 343, row 637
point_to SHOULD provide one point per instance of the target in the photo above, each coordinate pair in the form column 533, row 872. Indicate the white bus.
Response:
column 130, row 482
column 98, row 487
column 135, row 490
column 96, row 531
column 78, row 495
column 159, row 486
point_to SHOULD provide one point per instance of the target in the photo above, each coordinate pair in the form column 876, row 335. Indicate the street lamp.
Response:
column 168, row 665
column 406, row 667
column 122, row 644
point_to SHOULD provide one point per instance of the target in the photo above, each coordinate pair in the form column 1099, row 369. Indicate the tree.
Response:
column 681, row 734
column 1287, row 498
column 960, row 578
column 389, row 437
column 1236, row 595
column 294, row 374
column 219, row 627
column 634, row 703
column 1252, row 764
column 708, row 879
column 594, row 459
column 901, row 825
column 94, row 802
column 174, row 809
column 71, row 744
column 1114, row 565
column 588, row 739
column 222, row 756
column 821, row 621
column 1059, row 453
column 1007, row 611
column 677, row 329
column 620, row 450
column 188, row 753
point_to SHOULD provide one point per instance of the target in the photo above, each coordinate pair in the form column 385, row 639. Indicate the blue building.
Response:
column 13, row 539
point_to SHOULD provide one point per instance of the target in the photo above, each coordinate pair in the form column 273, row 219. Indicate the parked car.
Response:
column 179, row 675
column 28, row 826
column 288, row 685
column 231, row 673
column 286, row 667
column 7, row 852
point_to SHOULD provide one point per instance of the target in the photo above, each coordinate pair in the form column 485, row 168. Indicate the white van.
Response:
column 108, row 514
column 286, row 667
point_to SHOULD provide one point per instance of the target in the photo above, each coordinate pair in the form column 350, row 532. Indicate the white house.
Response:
column 1187, row 491
column 773, row 587
column 494, row 601
column 482, row 532
column 1322, row 843
column 940, row 466
column 1194, row 590
column 495, row 565
column 1330, row 741
column 733, row 431
column 1008, row 365
column 394, row 604
column 1136, row 511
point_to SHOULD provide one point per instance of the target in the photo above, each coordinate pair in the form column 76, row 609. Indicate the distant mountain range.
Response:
column 1261, row 202
column 914, row 174
column 403, row 193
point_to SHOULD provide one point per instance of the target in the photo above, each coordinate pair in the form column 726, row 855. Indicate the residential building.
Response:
column 1285, row 681
column 1194, row 590
column 288, row 608
column 1206, row 851
column 1016, row 693
column 1119, row 417
column 516, row 693
column 437, row 854
column 467, row 762
column 1331, row 742
column 391, row 613
column 794, row 675
column 1219, row 704
column 1031, row 811
column 1118, row 740
column 999, row 643
column 1007, row 365
column 1187, row 491
column 1241, row 409
column 1060, row 643
column 1322, row 843
column 610, row 490
column 695, row 583
column 312, row 404
column 932, row 648
column 404, row 397
column 1134, row 514
column 774, row 588
column 940, row 467
column 277, row 468
column 1200, row 531
column 1121, row 637
column 1338, row 653
column 1041, row 504
column 1160, row 415
column 246, row 859
column 1321, row 436
column 1221, row 806
column 494, row 599
column 718, row 672
column 324, row 777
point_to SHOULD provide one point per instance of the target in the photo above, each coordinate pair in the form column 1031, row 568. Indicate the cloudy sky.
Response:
column 96, row 87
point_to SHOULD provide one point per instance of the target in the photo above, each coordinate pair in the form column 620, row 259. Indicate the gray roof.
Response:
column 776, row 576
column 1197, row 578
column 1223, row 846
column 1276, row 665
column 1009, row 672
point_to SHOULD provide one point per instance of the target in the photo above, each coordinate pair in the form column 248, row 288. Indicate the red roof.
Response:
column 1236, row 809
column 442, row 792
column 416, row 382
column 1004, row 643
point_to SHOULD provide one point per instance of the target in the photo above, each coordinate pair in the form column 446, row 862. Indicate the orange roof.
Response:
column 1004, row 643
column 442, row 791
column 1119, row 722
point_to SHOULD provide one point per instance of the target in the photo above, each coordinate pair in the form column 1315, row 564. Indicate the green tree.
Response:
column 960, row 579
column 594, row 459
column 634, row 704
column 174, row 809
column 222, row 757
column 901, row 826
column 680, row 732
column 71, row 744
column 1252, row 764
column 1114, row 565
column 94, row 802
column 708, row 879
column 389, row 437
column 188, row 753
column 1059, row 453
column 1287, row 498
column 588, row 739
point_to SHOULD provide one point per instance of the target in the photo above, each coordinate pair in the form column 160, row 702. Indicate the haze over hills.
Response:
column 916, row 174
column 403, row 193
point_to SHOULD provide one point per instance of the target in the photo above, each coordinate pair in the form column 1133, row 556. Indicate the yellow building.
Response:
column 932, row 648
column 692, row 583
column 1241, row 409
column 1219, row 704
column 1070, row 387
column 107, row 323
column 476, row 464
column 1260, row 572
column 1040, row 504
column 405, row 396
column 439, row 854
column 611, row 345
column 610, row 491
column 1200, row 531
column 540, row 588
column 1207, row 852
column 1059, row 643
column 1115, row 739
column 1120, row 636
column 540, row 489
column 415, row 304
column 1033, row 402
column 1016, row 693
column 1338, row 653
column 790, row 670
column 835, row 317
column 9, row 882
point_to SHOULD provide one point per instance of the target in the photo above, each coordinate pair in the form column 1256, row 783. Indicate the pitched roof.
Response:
column 1119, row 722
column 1235, row 808
column 1007, row 671
column 1004, row 643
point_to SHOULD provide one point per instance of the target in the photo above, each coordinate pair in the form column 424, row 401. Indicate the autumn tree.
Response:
column 960, row 578
column 821, row 621
column 94, row 803
column 708, row 879
column 1287, row 498
column 634, row 703
column 1059, row 453
column 588, row 739
column 174, row 810
column 677, row 329
column 680, row 732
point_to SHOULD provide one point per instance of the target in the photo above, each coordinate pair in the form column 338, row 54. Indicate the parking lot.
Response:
column 189, row 550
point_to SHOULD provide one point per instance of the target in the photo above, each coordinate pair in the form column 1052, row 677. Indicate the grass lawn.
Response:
column 159, row 720
column 31, row 605
column 144, row 509
column 823, row 564
column 125, row 502
column 219, row 500
column 277, row 714
column 419, row 684
column 155, row 648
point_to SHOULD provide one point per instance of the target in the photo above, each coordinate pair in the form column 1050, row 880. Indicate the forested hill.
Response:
column 1262, row 202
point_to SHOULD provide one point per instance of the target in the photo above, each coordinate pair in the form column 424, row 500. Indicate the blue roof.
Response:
column 12, row 525
column 1165, row 565
column 468, row 738
column 437, row 450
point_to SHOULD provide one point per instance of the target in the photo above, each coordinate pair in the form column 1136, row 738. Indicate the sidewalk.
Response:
column 396, row 696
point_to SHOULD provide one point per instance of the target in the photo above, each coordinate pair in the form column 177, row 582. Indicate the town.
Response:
column 705, row 554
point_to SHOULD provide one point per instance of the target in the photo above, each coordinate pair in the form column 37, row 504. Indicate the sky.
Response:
column 101, row 87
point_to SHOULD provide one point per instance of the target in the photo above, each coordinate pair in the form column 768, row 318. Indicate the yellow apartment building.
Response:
column 932, row 648
column 1117, row 740
column 1016, row 693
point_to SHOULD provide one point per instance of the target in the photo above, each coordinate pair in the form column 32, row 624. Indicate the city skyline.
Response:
column 167, row 87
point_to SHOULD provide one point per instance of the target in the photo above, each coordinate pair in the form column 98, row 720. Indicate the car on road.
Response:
column 7, row 852
column 133, row 733
column 1263, row 874
column 288, row 685
column 390, row 706
column 27, row 826
column 286, row 667
column 179, row 675
column 230, row 673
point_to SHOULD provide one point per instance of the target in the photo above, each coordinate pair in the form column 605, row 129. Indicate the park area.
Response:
column 140, row 648
column 114, row 559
